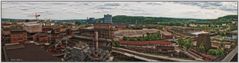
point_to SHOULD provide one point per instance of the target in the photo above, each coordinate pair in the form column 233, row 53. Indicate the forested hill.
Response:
column 165, row 20
column 228, row 18
column 154, row 20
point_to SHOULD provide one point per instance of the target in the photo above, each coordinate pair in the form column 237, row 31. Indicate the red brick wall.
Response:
column 19, row 37
column 41, row 38
column 46, row 29
column 102, row 26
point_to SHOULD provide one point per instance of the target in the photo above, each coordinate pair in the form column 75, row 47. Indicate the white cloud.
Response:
column 81, row 10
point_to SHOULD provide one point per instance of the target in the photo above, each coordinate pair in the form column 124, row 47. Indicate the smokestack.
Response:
column 96, row 40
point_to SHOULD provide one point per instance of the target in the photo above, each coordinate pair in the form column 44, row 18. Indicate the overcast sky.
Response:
column 82, row 10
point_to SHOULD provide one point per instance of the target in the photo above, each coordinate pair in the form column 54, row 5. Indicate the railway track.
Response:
column 152, row 57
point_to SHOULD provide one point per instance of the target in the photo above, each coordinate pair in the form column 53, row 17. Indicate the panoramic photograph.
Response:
column 174, row 31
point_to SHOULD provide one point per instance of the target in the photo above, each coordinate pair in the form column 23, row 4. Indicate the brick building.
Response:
column 6, row 24
column 158, row 45
column 203, row 39
column 103, row 26
column 41, row 37
column 105, row 30
column 166, row 35
column 47, row 29
column 18, row 36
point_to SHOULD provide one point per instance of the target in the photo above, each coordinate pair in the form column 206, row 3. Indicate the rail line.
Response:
column 152, row 57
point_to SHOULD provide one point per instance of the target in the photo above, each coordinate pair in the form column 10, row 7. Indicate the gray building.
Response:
column 91, row 21
column 107, row 18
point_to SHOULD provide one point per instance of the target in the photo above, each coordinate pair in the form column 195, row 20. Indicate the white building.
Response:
column 32, row 27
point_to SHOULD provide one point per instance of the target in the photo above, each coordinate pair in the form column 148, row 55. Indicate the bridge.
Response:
column 230, row 56
column 149, row 57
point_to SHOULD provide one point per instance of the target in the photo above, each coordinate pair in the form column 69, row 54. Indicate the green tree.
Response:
column 216, row 52
column 185, row 43
column 188, row 43
column 180, row 42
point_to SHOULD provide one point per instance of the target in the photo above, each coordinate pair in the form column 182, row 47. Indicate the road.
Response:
column 229, row 56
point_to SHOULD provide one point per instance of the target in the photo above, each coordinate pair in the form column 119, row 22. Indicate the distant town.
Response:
column 120, row 38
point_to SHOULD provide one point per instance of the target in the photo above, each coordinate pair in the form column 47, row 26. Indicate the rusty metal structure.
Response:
column 86, row 45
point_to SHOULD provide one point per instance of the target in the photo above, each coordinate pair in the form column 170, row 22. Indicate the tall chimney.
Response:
column 96, row 40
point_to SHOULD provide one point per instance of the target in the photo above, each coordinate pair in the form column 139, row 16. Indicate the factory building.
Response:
column 166, row 35
column 158, row 45
column 32, row 27
column 47, row 29
column 18, row 36
column 6, row 24
column 41, row 37
column 203, row 39
column 104, row 29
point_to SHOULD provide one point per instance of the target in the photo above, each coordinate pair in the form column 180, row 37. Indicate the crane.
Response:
column 36, row 16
